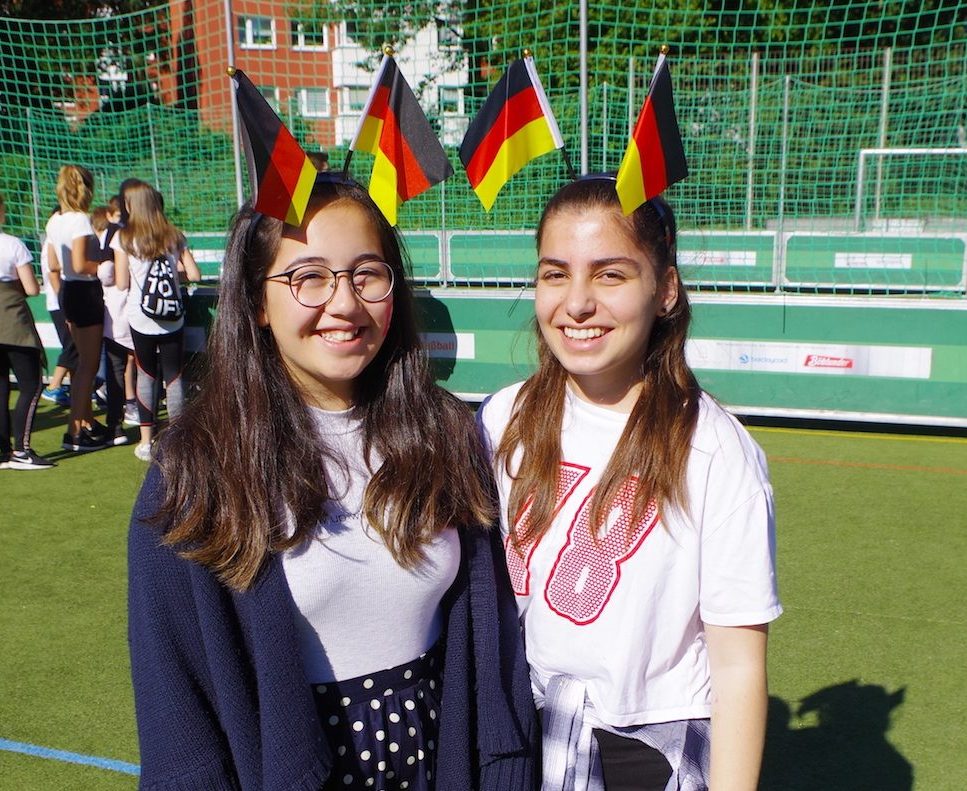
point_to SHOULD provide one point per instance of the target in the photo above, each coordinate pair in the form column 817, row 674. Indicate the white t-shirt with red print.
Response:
column 626, row 615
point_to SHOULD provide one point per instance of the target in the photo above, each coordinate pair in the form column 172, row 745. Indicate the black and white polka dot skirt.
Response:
column 383, row 727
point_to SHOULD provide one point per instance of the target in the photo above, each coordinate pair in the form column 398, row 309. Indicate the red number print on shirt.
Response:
column 586, row 573
column 518, row 562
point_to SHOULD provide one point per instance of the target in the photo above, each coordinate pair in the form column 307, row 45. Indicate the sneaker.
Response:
column 28, row 460
column 116, row 436
column 83, row 442
column 4, row 460
column 143, row 451
column 58, row 395
column 131, row 416
column 99, row 431
column 99, row 397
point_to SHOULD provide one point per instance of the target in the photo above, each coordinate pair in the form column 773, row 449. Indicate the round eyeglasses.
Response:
column 313, row 285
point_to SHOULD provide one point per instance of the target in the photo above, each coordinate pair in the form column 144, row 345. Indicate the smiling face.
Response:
column 596, row 300
column 325, row 349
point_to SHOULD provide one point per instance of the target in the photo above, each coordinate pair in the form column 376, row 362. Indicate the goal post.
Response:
column 865, row 153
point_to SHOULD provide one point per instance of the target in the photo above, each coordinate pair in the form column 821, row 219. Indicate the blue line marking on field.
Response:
column 68, row 757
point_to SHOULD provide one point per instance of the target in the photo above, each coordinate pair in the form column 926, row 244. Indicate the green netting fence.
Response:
column 827, row 143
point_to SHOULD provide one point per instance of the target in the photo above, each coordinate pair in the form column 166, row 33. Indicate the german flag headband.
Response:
column 280, row 173
column 516, row 125
column 393, row 127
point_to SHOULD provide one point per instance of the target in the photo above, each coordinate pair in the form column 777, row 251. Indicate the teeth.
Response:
column 339, row 335
column 584, row 333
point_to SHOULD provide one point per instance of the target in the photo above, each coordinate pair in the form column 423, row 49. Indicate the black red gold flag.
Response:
column 514, row 126
column 279, row 171
column 655, row 157
column 393, row 127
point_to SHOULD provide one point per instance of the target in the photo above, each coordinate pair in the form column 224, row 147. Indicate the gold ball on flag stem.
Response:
column 231, row 71
column 387, row 50
column 664, row 49
column 528, row 53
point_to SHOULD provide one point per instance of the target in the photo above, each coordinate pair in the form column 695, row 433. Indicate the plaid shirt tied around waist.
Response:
column 570, row 752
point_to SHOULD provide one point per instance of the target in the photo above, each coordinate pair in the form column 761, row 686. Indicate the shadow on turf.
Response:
column 55, row 417
column 845, row 750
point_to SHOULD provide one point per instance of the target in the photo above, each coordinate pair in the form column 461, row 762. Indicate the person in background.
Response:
column 117, row 334
column 116, row 204
column 21, row 351
column 638, row 518
column 320, row 160
column 73, row 254
column 159, row 343
column 315, row 600
column 57, row 391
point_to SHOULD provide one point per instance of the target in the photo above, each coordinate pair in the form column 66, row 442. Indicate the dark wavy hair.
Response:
column 655, row 443
column 246, row 454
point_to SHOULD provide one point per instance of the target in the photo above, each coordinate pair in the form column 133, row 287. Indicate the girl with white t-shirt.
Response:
column 118, row 346
column 73, row 253
column 159, row 343
column 637, row 515
column 21, row 351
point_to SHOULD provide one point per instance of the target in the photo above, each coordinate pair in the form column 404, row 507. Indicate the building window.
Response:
column 310, row 35
column 449, row 100
column 314, row 102
column 256, row 32
column 448, row 33
column 271, row 95
column 354, row 99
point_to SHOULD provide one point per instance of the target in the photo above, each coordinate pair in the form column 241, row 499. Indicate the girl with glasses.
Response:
column 637, row 516
column 314, row 599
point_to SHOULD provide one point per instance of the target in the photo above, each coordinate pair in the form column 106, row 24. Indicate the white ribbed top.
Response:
column 359, row 611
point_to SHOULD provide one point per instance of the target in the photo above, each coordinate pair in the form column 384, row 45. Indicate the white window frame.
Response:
column 303, row 94
column 458, row 90
column 299, row 38
column 246, row 32
column 344, row 97
column 275, row 100
column 452, row 43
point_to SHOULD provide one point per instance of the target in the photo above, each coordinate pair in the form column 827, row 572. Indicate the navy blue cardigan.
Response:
column 223, row 704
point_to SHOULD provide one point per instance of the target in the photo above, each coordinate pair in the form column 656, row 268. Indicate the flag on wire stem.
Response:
column 280, row 173
column 514, row 126
column 393, row 127
column 655, row 158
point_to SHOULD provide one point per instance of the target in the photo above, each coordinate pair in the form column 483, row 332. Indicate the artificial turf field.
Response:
column 868, row 665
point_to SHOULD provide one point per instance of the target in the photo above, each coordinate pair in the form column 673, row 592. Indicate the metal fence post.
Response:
column 34, row 186
column 154, row 152
column 779, row 268
column 884, row 121
column 750, row 175
column 236, row 138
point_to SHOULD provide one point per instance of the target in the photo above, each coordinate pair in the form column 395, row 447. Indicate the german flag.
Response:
column 393, row 127
column 655, row 158
column 279, row 171
column 514, row 126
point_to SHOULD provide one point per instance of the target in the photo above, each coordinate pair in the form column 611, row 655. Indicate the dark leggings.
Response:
column 25, row 362
column 630, row 765
column 164, row 355
column 68, row 353
column 117, row 361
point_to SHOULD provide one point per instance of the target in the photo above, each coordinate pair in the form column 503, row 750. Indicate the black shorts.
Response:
column 82, row 302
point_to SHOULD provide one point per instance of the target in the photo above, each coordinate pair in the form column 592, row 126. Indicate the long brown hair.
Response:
column 247, row 451
column 75, row 188
column 654, row 445
column 147, row 233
